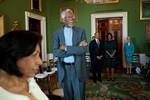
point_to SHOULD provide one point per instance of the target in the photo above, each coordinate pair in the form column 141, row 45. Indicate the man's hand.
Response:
column 114, row 52
column 99, row 57
column 62, row 47
column 83, row 43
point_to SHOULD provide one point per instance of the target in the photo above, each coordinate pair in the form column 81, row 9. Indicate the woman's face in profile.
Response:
column 29, row 65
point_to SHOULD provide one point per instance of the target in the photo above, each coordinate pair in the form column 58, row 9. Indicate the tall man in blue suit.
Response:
column 69, row 46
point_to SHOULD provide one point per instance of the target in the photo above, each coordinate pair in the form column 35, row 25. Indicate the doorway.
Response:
column 37, row 23
column 115, row 23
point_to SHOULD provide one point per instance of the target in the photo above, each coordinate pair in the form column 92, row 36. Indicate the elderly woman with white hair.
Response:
column 129, row 51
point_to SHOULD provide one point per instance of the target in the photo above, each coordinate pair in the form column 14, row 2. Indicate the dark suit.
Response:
column 96, row 64
column 79, row 68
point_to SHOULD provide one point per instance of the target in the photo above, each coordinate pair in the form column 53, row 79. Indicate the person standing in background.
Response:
column 110, row 56
column 129, row 51
column 96, row 55
column 69, row 46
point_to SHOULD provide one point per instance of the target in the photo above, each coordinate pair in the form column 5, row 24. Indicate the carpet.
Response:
column 125, row 87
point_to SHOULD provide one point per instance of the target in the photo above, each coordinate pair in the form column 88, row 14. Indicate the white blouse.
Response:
column 34, row 89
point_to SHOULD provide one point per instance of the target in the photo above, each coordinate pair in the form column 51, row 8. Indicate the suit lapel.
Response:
column 62, row 37
column 74, row 36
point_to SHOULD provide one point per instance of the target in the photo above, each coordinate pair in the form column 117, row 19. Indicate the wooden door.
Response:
column 35, row 26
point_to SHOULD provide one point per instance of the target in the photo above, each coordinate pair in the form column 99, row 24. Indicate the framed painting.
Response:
column 144, row 9
column 147, row 32
column 36, row 5
column 110, row 1
column 100, row 1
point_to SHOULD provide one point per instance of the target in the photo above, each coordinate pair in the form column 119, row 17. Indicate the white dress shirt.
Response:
column 68, row 41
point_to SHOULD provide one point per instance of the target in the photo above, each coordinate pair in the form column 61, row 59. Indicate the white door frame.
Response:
column 123, row 15
column 1, row 25
column 43, row 31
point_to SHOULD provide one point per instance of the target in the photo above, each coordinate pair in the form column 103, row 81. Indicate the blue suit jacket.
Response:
column 77, row 51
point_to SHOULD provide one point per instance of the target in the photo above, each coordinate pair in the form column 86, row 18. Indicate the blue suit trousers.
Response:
column 73, row 89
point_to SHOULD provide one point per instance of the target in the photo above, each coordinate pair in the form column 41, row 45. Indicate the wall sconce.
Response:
column 15, row 26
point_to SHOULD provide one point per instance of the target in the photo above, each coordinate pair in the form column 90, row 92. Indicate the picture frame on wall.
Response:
column 147, row 32
column 36, row 5
column 72, row 8
column 101, row 1
column 111, row 1
column 144, row 9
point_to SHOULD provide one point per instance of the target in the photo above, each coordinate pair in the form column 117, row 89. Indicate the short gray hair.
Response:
column 63, row 13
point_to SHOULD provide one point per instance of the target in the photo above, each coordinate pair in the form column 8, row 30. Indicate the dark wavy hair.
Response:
column 15, row 45
column 110, row 35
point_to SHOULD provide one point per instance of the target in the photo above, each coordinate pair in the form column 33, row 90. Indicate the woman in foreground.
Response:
column 19, row 62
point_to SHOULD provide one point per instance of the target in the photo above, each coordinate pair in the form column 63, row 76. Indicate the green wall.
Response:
column 136, row 27
column 15, row 9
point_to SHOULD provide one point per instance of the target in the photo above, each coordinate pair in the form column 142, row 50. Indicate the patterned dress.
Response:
column 110, row 62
